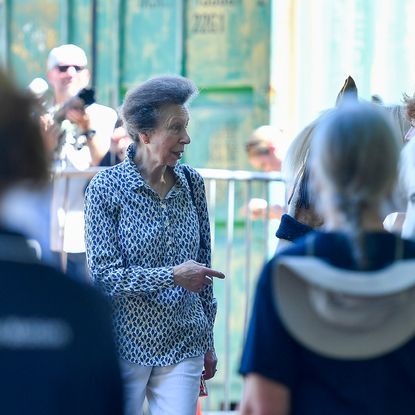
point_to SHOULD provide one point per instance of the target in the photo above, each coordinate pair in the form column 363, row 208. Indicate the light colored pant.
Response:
column 170, row 390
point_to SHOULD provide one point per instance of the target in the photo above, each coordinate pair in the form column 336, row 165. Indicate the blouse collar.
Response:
column 133, row 177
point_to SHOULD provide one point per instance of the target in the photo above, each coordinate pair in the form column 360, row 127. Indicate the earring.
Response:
column 144, row 138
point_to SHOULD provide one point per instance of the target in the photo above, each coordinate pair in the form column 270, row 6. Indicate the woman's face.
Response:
column 167, row 141
column 265, row 162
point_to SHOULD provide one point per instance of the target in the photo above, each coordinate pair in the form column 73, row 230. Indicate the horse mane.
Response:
column 297, row 153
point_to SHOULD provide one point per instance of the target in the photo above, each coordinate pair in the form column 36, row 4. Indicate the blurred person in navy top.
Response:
column 57, row 354
column 331, row 330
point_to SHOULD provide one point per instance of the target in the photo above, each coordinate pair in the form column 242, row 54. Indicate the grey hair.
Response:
column 141, row 108
column 355, row 152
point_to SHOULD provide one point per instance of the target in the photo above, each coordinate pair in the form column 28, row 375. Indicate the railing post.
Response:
column 212, row 212
column 248, row 252
column 228, row 286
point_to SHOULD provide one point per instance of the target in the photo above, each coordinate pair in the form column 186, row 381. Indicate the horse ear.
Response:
column 349, row 91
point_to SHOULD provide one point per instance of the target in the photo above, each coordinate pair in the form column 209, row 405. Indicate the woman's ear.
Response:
column 144, row 137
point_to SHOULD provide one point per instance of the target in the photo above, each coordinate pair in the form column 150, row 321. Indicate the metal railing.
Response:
column 225, row 189
column 232, row 180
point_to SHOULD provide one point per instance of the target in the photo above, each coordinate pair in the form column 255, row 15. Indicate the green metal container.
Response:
column 222, row 45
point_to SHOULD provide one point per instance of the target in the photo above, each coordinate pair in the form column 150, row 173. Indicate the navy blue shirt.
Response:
column 321, row 385
column 57, row 353
column 291, row 229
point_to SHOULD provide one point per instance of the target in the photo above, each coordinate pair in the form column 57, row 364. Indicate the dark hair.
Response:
column 23, row 156
column 118, row 123
column 141, row 108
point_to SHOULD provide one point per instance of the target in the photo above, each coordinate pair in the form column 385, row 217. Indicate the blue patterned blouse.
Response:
column 133, row 240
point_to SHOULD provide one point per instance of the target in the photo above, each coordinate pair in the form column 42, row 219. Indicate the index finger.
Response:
column 213, row 273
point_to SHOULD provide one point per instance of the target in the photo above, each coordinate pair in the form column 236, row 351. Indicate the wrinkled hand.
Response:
column 80, row 118
column 194, row 276
column 210, row 364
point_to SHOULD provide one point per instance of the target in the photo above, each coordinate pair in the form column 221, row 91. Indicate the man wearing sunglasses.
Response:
column 85, row 138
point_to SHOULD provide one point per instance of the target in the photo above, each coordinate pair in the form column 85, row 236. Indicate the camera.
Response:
column 81, row 100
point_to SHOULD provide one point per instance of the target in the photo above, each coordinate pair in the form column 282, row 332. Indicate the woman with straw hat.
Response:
column 332, row 329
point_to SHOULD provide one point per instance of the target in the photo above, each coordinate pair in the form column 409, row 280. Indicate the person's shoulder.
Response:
column 183, row 166
column 48, row 279
column 191, row 171
column 107, row 176
column 65, row 289
column 331, row 247
column 291, row 229
column 409, row 245
column 299, row 247
column 296, row 249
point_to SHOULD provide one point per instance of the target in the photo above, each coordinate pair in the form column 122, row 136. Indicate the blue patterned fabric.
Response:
column 133, row 241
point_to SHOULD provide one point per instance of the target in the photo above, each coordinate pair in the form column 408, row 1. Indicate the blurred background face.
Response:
column 68, row 78
column 120, row 141
column 265, row 162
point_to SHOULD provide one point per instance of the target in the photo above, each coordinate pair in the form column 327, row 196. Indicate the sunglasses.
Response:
column 64, row 68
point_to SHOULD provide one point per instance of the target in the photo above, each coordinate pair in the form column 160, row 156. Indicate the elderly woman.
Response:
column 332, row 329
column 148, row 247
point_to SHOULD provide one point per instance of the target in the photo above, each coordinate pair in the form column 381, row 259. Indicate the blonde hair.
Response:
column 355, row 152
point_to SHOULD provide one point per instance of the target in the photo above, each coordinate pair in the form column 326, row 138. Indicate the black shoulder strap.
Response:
column 186, row 172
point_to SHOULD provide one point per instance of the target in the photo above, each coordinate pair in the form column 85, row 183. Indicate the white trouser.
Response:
column 170, row 390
